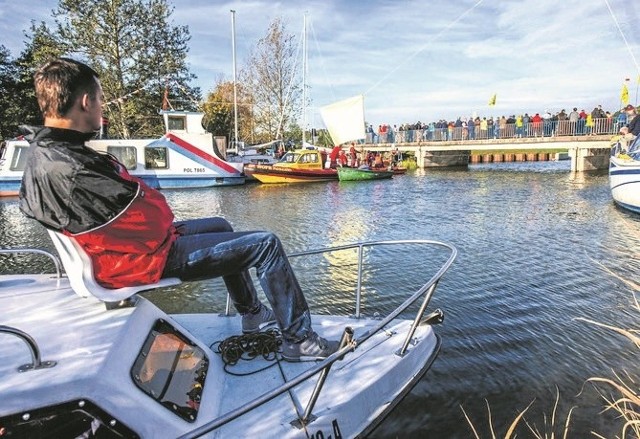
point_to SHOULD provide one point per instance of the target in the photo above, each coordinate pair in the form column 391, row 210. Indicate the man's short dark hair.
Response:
column 60, row 82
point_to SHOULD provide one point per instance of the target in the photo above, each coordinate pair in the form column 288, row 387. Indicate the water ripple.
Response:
column 538, row 247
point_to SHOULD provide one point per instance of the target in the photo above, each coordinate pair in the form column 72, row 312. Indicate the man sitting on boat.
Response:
column 127, row 228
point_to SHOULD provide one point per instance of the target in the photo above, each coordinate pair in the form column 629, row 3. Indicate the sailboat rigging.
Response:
column 235, row 81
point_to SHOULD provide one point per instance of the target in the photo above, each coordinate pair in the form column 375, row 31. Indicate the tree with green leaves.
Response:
column 8, row 79
column 40, row 47
column 138, row 54
column 272, row 76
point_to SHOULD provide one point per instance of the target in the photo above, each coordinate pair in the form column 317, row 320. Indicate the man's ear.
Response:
column 85, row 101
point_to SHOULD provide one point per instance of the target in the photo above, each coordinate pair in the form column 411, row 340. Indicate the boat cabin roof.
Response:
column 189, row 122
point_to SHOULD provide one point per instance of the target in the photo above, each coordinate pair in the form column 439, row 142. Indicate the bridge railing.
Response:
column 546, row 128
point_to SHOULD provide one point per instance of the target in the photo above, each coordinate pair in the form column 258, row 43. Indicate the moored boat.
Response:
column 13, row 157
column 78, row 368
column 624, row 175
column 299, row 166
column 363, row 174
column 185, row 157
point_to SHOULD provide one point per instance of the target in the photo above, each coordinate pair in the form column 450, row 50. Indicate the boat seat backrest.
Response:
column 78, row 266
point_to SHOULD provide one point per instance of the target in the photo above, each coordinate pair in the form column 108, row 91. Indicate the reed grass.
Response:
column 622, row 394
column 551, row 424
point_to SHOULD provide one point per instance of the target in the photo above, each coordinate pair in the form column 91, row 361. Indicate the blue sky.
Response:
column 419, row 60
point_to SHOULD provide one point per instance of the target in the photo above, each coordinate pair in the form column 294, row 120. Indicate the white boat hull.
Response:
column 95, row 355
column 189, row 158
column 624, row 181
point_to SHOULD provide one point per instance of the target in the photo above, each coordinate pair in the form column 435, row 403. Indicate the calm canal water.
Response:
column 535, row 244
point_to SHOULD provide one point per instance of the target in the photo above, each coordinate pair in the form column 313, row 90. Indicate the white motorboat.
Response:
column 73, row 367
column 187, row 156
column 624, row 175
column 13, row 158
column 252, row 156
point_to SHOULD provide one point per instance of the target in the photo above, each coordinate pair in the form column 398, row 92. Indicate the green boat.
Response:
column 358, row 174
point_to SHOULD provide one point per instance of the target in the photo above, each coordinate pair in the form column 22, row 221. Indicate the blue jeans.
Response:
column 208, row 248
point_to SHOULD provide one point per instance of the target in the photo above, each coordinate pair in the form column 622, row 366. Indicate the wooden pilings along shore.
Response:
column 513, row 157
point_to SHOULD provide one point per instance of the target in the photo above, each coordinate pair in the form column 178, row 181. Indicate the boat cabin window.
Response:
column 289, row 158
column 125, row 155
column 171, row 369
column 19, row 159
column 309, row 158
column 176, row 123
column 156, row 157
column 79, row 418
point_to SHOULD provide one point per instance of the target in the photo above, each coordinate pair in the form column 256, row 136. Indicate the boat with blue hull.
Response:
column 624, row 174
column 185, row 157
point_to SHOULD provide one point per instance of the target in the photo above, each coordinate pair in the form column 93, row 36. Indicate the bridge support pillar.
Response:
column 589, row 159
column 433, row 159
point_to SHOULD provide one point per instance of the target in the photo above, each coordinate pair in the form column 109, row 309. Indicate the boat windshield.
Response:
column 290, row 157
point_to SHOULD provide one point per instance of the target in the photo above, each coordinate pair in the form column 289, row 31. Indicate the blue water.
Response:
column 538, row 248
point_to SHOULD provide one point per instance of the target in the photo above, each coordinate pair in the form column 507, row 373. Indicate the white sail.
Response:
column 345, row 119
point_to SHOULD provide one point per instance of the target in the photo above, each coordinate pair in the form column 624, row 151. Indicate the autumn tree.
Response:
column 219, row 113
column 272, row 76
column 136, row 51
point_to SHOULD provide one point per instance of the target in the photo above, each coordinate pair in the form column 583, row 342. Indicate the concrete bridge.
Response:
column 587, row 153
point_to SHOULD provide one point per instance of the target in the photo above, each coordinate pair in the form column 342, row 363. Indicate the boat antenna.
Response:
column 304, row 79
column 235, row 92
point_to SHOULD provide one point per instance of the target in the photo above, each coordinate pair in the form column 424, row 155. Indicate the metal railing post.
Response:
column 359, row 285
column 347, row 337
column 416, row 321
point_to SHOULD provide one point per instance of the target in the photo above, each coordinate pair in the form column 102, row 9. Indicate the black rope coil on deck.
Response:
column 247, row 347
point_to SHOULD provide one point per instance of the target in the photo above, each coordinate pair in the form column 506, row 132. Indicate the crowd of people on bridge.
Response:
column 562, row 123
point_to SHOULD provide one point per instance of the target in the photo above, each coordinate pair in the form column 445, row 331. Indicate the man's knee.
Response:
column 270, row 240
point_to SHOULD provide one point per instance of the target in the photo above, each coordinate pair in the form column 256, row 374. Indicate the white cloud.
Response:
column 420, row 60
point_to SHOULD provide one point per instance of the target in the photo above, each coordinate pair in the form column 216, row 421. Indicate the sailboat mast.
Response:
column 304, row 79
column 235, row 92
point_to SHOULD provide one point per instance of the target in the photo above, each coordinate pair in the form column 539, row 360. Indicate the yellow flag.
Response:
column 624, row 95
column 492, row 101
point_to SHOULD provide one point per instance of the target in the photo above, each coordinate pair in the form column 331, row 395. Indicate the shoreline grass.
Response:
column 621, row 393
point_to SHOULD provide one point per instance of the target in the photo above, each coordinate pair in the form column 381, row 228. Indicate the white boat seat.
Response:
column 77, row 264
